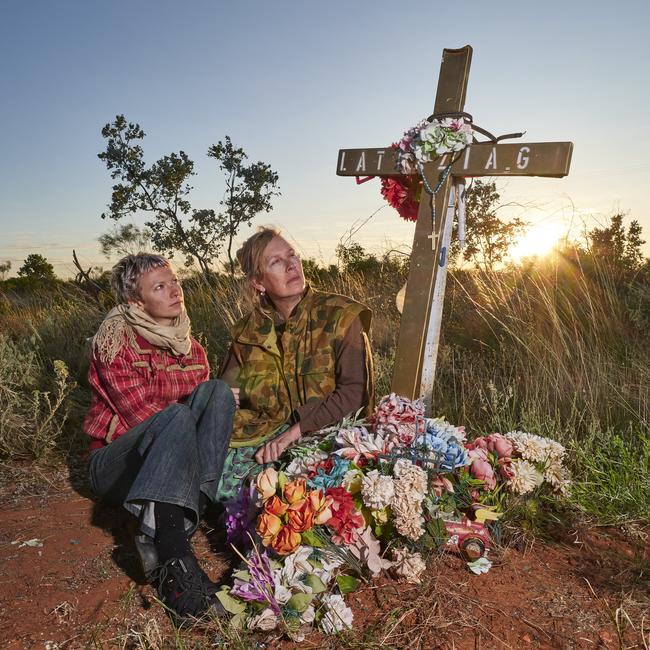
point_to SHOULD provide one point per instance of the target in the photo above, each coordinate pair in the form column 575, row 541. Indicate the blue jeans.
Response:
column 171, row 457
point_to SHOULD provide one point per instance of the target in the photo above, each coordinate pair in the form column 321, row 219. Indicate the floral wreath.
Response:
column 421, row 144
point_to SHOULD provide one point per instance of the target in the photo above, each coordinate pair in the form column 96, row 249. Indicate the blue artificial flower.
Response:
column 322, row 480
column 455, row 456
column 440, row 428
column 431, row 442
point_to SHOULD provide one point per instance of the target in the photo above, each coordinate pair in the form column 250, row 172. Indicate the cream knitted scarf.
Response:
column 121, row 322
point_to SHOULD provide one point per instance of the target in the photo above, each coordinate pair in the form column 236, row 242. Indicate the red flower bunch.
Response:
column 346, row 520
column 403, row 194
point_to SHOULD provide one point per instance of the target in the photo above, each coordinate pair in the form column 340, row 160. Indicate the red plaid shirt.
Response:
column 140, row 382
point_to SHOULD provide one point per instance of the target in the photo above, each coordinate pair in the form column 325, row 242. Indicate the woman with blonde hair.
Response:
column 300, row 358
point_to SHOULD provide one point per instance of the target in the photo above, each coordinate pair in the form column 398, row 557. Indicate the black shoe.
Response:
column 148, row 555
column 186, row 591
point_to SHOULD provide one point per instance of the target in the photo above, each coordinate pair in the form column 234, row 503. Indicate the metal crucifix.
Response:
column 417, row 347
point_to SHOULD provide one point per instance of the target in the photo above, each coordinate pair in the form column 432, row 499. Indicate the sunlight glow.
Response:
column 538, row 240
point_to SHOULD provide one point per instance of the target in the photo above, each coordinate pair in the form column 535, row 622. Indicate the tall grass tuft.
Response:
column 548, row 347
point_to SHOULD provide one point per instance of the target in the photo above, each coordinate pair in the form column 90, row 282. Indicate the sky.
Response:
column 291, row 83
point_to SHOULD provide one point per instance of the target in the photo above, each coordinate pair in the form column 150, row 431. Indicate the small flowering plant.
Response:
column 370, row 496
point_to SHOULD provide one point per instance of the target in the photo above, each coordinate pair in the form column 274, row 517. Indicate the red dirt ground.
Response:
column 79, row 586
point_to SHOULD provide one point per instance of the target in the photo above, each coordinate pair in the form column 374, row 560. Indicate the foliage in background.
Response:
column 487, row 236
column 249, row 190
column 125, row 239
column 162, row 190
column 33, row 412
column 36, row 267
column 5, row 267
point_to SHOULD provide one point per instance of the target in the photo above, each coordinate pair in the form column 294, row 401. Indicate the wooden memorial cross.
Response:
column 421, row 317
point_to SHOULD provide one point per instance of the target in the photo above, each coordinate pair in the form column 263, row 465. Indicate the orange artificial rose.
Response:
column 320, row 504
column 300, row 517
column 266, row 483
column 275, row 506
column 295, row 491
column 286, row 541
column 268, row 526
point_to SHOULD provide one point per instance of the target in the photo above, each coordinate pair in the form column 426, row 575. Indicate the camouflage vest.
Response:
column 275, row 376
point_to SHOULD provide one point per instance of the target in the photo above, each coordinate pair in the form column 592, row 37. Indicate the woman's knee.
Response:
column 215, row 390
column 178, row 410
column 175, row 418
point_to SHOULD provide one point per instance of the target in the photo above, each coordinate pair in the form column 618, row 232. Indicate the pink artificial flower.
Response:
column 394, row 192
column 494, row 443
column 346, row 520
column 398, row 416
column 499, row 445
column 481, row 468
column 505, row 469
column 478, row 443
column 440, row 484
column 402, row 194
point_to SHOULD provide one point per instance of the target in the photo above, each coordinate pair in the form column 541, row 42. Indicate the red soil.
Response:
column 79, row 585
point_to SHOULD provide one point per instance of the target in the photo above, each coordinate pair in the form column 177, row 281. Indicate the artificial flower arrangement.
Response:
column 370, row 496
column 421, row 144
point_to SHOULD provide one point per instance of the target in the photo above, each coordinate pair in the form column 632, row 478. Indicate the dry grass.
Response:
column 552, row 348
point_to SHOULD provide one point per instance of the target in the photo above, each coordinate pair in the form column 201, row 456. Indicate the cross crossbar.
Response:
column 549, row 159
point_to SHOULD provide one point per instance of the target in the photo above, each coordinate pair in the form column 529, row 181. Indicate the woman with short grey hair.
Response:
column 159, row 428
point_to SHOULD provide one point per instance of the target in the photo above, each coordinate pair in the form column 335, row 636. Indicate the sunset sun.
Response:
column 538, row 240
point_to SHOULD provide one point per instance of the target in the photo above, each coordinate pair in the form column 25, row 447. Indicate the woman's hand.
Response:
column 273, row 449
column 235, row 394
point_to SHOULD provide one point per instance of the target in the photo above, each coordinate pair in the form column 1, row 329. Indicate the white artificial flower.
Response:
column 338, row 615
column 555, row 450
column 408, row 565
column 280, row 592
column 300, row 466
column 531, row 447
column 308, row 615
column 295, row 566
column 410, row 489
column 558, row 476
column 352, row 480
column 357, row 443
column 266, row 621
column 411, row 528
column 407, row 515
column 525, row 476
column 412, row 479
column 481, row 565
column 377, row 490
column 330, row 562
